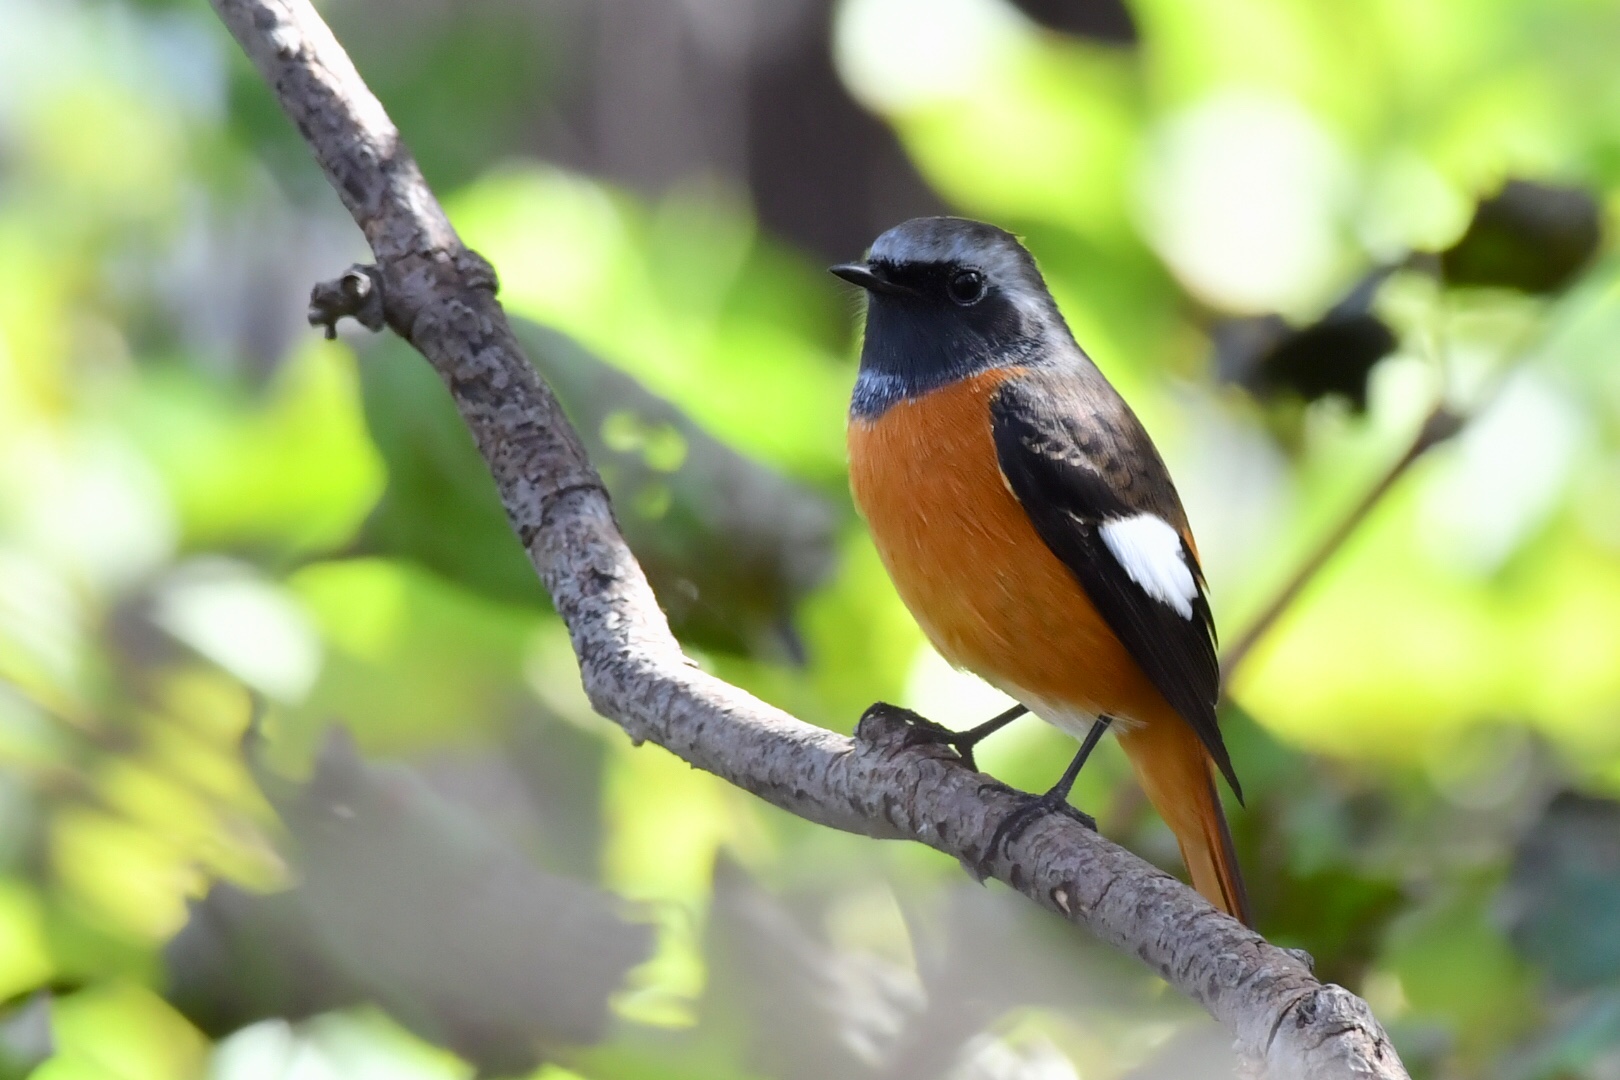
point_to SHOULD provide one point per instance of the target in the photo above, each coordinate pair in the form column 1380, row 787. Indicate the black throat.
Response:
column 912, row 347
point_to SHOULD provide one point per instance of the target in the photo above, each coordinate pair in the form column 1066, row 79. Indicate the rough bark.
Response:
column 441, row 297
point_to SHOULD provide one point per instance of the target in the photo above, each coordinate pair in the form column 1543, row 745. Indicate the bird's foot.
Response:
column 921, row 731
column 1031, row 810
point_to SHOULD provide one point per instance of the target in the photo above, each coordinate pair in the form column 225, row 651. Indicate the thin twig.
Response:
column 441, row 297
column 1440, row 425
column 1443, row 423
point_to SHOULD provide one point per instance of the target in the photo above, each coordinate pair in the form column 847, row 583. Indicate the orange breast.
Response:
column 965, row 559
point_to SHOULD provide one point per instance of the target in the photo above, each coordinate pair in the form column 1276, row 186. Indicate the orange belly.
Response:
column 965, row 559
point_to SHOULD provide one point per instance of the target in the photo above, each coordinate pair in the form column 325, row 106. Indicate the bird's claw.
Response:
column 921, row 731
column 1031, row 810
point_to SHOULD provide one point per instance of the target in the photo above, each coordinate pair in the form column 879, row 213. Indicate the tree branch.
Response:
column 441, row 297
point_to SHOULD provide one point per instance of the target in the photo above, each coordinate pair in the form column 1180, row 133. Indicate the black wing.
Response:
column 1077, row 460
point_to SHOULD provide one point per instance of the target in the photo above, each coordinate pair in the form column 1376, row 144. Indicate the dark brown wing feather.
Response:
column 1075, row 457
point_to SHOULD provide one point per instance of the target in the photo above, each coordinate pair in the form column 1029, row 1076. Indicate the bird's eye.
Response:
column 966, row 287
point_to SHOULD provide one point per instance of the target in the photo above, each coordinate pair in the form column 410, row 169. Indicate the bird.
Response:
column 1032, row 529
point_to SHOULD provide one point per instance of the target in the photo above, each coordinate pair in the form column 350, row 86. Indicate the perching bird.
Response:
column 1032, row 528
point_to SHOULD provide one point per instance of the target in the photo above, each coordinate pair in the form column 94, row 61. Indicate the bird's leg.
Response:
column 1056, row 800
column 964, row 741
column 924, row 730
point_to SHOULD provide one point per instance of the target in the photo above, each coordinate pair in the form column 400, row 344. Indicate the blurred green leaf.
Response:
column 1454, row 964
column 411, row 661
column 717, row 320
column 1392, row 649
column 121, row 1030
column 1584, row 1041
column 1563, row 893
column 294, row 473
column 463, row 81
column 26, row 961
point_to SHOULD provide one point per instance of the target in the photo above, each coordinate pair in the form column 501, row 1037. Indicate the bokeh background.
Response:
column 296, row 777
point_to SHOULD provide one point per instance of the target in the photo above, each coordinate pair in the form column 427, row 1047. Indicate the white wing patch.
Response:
column 1149, row 551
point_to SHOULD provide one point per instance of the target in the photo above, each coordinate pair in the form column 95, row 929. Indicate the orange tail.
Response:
column 1176, row 773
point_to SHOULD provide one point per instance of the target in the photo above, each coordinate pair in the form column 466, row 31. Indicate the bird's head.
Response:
column 948, row 298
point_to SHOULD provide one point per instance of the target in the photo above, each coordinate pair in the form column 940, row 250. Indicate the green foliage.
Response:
column 1566, row 888
column 730, row 546
column 219, row 534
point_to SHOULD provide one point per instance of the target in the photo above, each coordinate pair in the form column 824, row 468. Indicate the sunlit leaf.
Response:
column 295, row 472
column 121, row 1030
column 676, row 307
column 26, row 962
